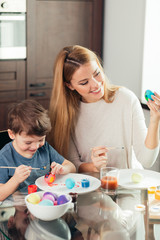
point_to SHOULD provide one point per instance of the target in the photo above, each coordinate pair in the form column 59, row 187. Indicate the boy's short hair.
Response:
column 29, row 116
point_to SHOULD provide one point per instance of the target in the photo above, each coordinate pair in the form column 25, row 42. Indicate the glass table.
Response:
column 94, row 216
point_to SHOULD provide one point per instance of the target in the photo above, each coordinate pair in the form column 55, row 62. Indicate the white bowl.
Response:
column 48, row 213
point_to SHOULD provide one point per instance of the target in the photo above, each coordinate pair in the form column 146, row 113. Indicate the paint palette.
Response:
column 60, row 186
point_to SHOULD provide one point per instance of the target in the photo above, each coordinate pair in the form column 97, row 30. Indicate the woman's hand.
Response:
column 99, row 156
column 22, row 173
column 152, row 138
column 154, row 107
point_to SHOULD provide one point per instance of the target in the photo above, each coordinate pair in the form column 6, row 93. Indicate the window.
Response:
column 151, row 53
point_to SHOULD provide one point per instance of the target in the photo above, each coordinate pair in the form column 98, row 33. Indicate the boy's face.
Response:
column 26, row 145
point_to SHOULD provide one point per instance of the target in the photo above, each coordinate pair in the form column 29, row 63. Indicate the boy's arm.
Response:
column 64, row 168
column 59, row 165
column 69, row 166
column 21, row 173
column 8, row 188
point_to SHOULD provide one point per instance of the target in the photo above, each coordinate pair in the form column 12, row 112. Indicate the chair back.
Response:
column 4, row 138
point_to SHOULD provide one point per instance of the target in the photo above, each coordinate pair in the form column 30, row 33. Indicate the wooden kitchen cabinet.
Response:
column 51, row 25
column 41, row 95
column 12, row 75
column 7, row 98
column 12, row 86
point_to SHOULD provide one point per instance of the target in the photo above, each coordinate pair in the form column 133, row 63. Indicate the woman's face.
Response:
column 88, row 81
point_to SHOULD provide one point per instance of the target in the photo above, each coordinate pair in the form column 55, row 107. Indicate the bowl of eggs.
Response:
column 48, row 206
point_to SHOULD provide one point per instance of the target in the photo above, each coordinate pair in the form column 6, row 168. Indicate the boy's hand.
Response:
column 22, row 173
column 57, row 168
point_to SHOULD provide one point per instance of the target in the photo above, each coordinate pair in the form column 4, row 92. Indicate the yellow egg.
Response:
column 34, row 198
column 136, row 177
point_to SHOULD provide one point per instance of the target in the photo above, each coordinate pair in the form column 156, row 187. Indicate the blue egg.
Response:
column 148, row 94
column 46, row 202
column 70, row 183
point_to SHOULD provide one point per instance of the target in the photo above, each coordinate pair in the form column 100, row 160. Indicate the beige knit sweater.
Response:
column 117, row 124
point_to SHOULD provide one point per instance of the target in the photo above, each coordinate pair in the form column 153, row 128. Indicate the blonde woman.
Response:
column 95, row 123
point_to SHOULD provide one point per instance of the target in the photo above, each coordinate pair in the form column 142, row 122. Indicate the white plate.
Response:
column 149, row 179
column 59, row 183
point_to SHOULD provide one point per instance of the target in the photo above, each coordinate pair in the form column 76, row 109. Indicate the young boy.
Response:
column 28, row 125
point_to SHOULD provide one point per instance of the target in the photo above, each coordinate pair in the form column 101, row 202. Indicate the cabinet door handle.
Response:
column 12, row 17
column 41, row 94
column 37, row 85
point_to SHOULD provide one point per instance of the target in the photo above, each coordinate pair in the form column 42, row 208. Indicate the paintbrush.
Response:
column 110, row 148
column 42, row 168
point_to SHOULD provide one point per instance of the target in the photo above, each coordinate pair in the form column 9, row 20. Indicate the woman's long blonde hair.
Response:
column 64, row 103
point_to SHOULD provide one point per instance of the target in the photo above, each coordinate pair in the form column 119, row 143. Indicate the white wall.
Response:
column 123, row 42
column 123, row 46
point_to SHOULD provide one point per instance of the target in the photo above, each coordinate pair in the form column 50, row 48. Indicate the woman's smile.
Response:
column 98, row 90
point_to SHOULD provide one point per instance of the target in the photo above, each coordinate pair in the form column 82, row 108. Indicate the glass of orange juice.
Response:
column 109, row 179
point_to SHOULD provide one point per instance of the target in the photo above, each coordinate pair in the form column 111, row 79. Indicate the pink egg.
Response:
column 50, row 193
column 49, row 197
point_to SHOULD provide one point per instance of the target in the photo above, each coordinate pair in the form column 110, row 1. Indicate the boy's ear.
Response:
column 11, row 222
column 11, row 134
column 69, row 86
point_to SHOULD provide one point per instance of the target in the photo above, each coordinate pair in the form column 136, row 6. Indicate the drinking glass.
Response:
column 109, row 179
